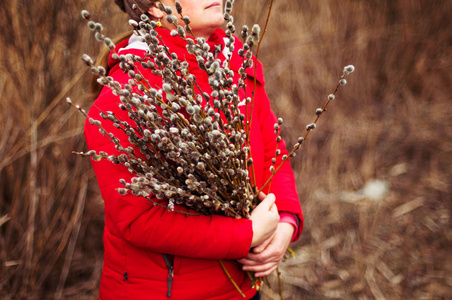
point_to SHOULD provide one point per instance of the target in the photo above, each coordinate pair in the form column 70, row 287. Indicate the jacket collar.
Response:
column 178, row 45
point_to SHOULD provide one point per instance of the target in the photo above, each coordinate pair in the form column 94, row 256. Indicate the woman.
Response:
column 151, row 253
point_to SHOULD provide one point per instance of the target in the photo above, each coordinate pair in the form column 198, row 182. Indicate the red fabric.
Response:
column 137, row 233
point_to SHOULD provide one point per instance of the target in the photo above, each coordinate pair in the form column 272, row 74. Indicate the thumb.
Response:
column 269, row 201
column 274, row 208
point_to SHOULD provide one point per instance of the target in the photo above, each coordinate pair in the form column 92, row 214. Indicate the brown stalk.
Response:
column 231, row 279
column 72, row 242
column 255, row 64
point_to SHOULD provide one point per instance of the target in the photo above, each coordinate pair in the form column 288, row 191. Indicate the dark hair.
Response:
column 135, row 8
column 102, row 60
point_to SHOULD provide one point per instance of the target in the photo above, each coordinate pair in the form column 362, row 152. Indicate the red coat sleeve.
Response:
column 144, row 225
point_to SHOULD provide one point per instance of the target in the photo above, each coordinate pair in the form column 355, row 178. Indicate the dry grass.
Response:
column 392, row 122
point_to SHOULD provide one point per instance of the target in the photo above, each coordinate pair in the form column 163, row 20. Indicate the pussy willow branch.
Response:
column 255, row 65
column 82, row 111
column 230, row 278
column 305, row 136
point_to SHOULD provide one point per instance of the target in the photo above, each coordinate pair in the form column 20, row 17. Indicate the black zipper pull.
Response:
column 170, row 280
column 169, row 265
column 125, row 276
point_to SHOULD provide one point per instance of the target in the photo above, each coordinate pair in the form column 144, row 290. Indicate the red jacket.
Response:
column 137, row 233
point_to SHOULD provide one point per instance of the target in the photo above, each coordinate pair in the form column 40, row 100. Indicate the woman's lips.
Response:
column 215, row 4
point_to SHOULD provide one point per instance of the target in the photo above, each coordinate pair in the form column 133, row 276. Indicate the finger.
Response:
column 265, row 250
column 274, row 208
column 262, row 257
column 265, row 257
column 249, row 262
column 252, row 263
column 259, row 268
column 264, row 245
column 266, row 273
column 244, row 261
column 262, row 196
column 269, row 201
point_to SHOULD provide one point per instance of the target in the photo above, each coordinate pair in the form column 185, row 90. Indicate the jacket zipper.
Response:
column 169, row 261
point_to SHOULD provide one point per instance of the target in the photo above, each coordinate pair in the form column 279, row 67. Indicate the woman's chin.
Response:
column 214, row 23
column 219, row 21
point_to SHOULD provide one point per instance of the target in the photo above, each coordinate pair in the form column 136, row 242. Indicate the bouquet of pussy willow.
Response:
column 188, row 153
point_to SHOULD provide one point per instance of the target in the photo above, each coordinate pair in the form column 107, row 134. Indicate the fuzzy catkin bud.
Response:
column 144, row 18
column 86, row 15
column 133, row 23
column 91, row 25
column 331, row 97
column 87, row 59
column 161, row 6
column 178, row 7
column 244, row 32
column 102, row 81
column 168, row 10
column 311, row 126
column 109, row 43
column 99, row 36
column 256, row 29
column 166, row 87
column 190, row 110
column 98, row 27
column 102, row 70
column 348, row 69
column 181, row 31
column 228, row 7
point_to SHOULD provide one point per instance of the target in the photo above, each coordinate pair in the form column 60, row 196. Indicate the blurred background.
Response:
column 374, row 178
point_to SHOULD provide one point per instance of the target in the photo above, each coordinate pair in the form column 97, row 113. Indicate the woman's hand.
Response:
column 266, row 256
column 265, row 219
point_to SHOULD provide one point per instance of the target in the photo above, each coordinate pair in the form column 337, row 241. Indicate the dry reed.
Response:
column 392, row 123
